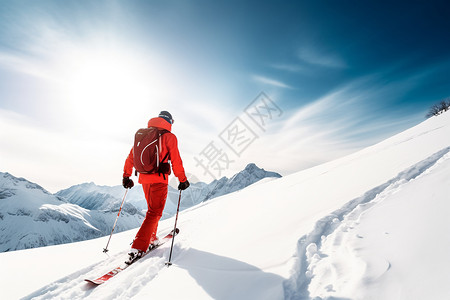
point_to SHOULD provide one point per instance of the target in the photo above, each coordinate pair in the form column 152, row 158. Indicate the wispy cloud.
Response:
column 339, row 123
column 29, row 65
column 351, row 105
column 295, row 68
column 270, row 81
column 320, row 58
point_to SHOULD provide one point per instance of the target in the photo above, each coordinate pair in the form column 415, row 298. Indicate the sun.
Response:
column 104, row 85
column 101, row 85
column 103, row 82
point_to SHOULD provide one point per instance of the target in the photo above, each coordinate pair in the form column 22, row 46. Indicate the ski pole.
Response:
column 169, row 263
column 114, row 226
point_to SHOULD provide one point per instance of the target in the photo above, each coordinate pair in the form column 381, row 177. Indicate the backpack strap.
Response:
column 161, row 132
column 165, row 156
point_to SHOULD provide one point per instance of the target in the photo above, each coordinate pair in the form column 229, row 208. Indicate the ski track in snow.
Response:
column 75, row 287
column 346, row 218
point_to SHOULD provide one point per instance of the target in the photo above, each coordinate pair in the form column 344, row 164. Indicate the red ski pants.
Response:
column 156, row 194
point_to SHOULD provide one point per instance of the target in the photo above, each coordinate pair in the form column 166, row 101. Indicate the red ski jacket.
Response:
column 169, row 144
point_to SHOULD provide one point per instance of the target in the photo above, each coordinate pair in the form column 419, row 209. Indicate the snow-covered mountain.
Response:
column 246, row 177
column 91, row 196
column 104, row 198
column 371, row 225
column 32, row 217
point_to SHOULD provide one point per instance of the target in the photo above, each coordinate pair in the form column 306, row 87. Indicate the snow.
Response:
column 373, row 245
column 371, row 225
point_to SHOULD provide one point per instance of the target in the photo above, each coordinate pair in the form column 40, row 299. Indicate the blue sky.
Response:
column 77, row 78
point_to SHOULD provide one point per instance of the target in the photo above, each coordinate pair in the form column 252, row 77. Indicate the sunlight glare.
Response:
column 100, row 85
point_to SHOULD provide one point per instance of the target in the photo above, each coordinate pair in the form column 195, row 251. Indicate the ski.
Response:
column 115, row 271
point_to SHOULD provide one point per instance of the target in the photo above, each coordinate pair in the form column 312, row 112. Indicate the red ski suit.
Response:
column 155, row 185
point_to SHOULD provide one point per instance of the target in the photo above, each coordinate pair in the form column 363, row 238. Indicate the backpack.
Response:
column 147, row 150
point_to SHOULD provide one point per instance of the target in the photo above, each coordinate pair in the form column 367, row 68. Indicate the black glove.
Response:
column 127, row 183
column 183, row 185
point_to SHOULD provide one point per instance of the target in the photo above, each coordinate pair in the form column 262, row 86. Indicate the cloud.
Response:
column 26, row 65
column 294, row 68
column 353, row 116
column 270, row 81
column 320, row 58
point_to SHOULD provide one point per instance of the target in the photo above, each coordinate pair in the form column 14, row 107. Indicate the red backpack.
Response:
column 147, row 151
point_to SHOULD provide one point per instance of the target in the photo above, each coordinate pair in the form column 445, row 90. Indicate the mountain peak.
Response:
column 251, row 174
column 9, row 181
column 252, row 168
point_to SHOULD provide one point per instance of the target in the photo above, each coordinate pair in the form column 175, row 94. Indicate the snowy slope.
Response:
column 362, row 227
column 406, row 253
column 32, row 217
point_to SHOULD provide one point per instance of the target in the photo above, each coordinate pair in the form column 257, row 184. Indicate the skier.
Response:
column 155, row 184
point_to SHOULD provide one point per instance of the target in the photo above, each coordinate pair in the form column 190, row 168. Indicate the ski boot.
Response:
column 133, row 255
column 154, row 244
